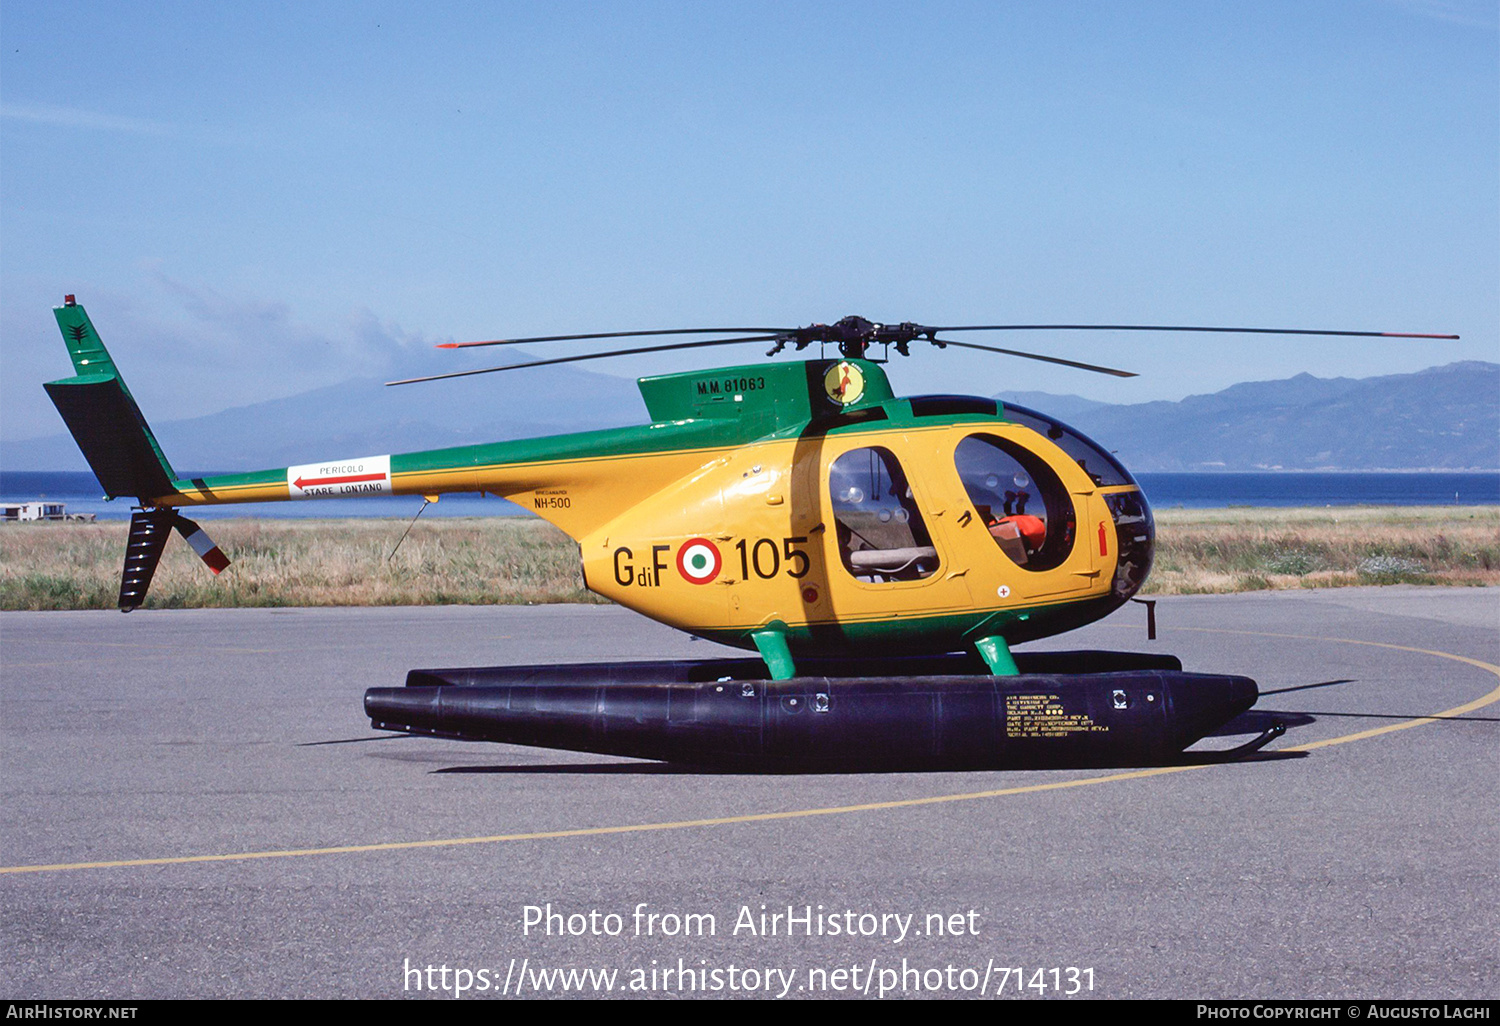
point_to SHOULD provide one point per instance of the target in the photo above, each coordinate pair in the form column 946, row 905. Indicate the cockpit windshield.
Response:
column 1099, row 465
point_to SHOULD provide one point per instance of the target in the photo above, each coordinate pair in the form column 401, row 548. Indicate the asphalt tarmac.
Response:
column 195, row 806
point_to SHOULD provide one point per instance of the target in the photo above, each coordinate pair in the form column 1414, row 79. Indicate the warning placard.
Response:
column 340, row 479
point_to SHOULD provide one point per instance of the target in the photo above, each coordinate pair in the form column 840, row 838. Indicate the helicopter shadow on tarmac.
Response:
column 1255, row 721
column 679, row 769
column 1246, row 724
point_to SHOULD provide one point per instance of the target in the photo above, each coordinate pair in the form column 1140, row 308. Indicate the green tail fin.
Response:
column 103, row 417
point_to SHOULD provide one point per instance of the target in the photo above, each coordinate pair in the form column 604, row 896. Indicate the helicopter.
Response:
column 880, row 555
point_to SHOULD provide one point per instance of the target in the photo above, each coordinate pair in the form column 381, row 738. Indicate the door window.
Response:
column 1019, row 498
column 881, row 536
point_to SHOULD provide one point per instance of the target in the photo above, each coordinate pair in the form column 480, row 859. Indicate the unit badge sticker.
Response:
column 698, row 561
column 844, row 383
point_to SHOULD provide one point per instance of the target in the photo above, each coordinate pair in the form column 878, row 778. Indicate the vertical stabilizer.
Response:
column 103, row 417
column 149, row 531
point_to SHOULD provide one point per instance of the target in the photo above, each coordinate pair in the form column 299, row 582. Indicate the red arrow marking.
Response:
column 303, row 482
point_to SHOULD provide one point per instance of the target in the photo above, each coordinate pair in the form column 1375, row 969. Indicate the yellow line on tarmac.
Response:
column 757, row 817
column 1457, row 710
column 836, row 810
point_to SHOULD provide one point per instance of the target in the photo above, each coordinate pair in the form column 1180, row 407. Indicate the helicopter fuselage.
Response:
column 802, row 509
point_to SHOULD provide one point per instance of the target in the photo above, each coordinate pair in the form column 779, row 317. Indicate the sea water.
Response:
column 80, row 492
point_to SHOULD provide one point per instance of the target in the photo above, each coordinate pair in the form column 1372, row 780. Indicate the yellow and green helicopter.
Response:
column 882, row 555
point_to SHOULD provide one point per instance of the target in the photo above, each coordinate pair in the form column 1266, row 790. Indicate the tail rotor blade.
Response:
column 202, row 544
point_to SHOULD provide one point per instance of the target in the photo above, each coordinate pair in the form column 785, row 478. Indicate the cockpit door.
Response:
column 1032, row 507
column 885, row 545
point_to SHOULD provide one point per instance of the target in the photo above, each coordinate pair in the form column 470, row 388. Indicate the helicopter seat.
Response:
column 1018, row 535
column 906, row 563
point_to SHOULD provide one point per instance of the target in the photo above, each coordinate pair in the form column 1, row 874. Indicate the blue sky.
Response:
column 254, row 200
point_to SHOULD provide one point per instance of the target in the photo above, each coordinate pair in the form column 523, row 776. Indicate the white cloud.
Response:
column 211, row 349
column 74, row 117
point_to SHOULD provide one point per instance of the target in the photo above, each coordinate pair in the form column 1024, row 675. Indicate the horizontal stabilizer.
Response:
column 113, row 436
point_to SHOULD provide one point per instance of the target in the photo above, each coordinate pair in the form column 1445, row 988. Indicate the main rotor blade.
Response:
column 591, row 356
column 1180, row 327
column 1035, row 356
column 611, row 334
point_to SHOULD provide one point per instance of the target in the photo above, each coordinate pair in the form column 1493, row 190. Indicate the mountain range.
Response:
column 1443, row 418
column 362, row 417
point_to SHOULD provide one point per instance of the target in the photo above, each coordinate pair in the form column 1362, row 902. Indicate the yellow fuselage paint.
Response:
column 579, row 496
column 760, row 505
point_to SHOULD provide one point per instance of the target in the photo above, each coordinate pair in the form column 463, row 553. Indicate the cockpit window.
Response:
column 881, row 535
column 1099, row 465
column 951, row 405
column 1019, row 499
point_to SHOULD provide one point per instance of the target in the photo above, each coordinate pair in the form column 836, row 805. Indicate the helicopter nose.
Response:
column 1135, row 534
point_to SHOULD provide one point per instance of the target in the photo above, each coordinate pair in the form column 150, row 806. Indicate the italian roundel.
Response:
column 698, row 560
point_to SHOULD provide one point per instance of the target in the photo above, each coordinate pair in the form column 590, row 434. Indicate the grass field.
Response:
column 451, row 561
column 508, row 560
column 1248, row 549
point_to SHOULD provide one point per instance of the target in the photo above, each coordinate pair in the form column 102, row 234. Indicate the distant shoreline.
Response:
column 1189, row 489
column 519, row 560
column 1263, row 470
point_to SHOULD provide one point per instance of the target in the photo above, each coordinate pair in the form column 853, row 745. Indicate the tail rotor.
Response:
column 149, row 530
